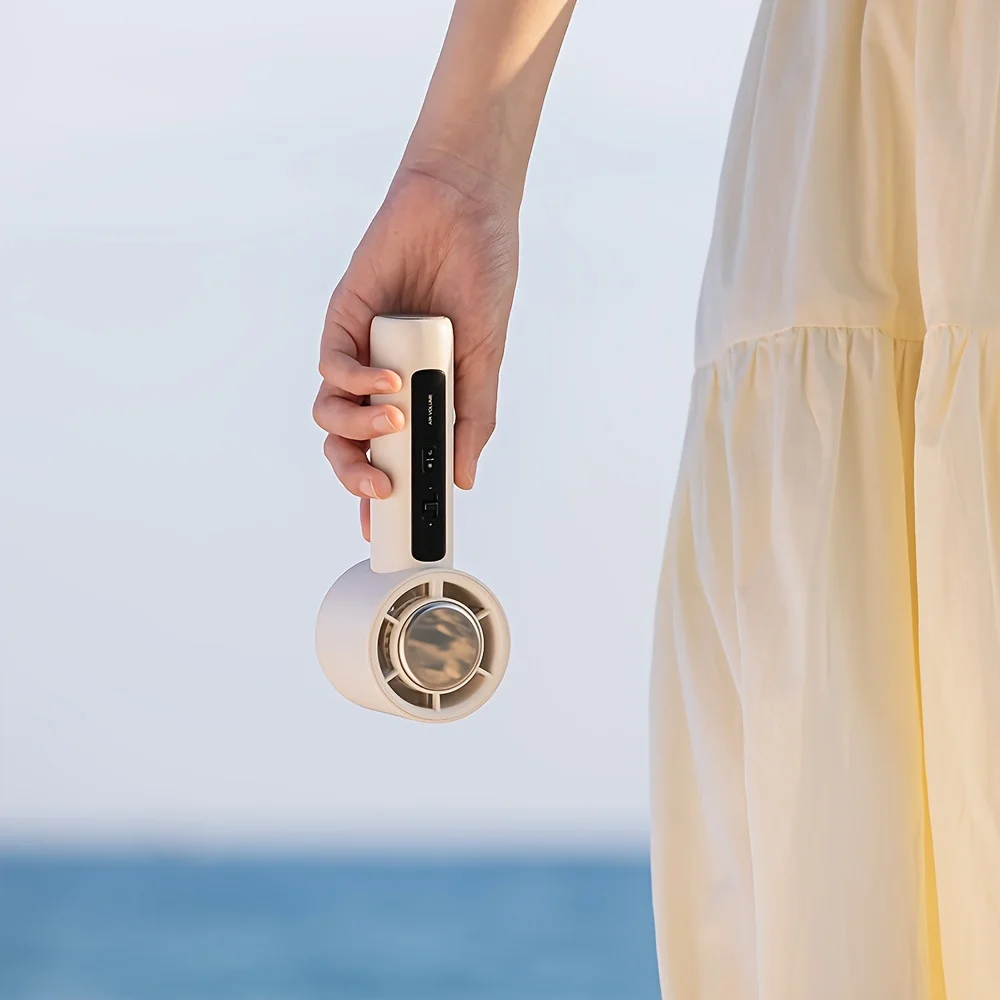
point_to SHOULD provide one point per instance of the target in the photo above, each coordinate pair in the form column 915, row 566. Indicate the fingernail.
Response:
column 385, row 384
column 368, row 489
column 383, row 423
column 472, row 474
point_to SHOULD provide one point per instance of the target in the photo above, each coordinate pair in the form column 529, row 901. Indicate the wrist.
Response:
column 478, row 127
column 481, row 110
column 477, row 168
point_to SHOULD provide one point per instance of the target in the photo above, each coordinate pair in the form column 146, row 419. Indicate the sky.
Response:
column 181, row 186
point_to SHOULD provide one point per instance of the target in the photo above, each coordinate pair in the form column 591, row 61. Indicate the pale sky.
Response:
column 181, row 186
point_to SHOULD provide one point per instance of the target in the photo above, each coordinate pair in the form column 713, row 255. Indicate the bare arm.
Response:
column 445, row 240
column 485, row 98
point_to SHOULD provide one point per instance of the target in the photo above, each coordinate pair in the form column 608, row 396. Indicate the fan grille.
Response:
column 398, row 683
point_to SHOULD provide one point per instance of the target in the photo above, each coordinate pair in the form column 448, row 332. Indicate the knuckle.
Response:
column 329, row 368
column 327, row 414
column 342, row 472
column 353, row 381
column 317, row 411
column 345, row 419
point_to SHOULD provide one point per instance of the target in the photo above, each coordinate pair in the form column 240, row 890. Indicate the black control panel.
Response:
column 428, row 427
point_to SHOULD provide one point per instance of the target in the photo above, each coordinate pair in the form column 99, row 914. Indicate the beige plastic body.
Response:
column 359, row 619
column 407, row 344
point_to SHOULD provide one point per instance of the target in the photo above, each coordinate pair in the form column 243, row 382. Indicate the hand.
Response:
column 443, row 243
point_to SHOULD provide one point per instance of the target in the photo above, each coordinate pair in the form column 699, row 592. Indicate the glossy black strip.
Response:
column 428, row 425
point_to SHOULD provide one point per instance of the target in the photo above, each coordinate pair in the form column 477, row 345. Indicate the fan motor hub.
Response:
column 437, row 645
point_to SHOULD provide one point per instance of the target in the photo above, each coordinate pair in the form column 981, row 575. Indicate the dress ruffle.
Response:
column 826, row 677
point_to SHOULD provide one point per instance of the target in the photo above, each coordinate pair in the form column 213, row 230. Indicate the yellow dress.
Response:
column 825, row 719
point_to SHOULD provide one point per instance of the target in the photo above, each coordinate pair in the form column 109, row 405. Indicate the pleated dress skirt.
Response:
column 825, row 723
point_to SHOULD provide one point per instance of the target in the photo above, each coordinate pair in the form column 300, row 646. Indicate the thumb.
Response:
column 476, row 383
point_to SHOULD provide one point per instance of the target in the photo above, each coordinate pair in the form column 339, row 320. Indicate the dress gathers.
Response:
column 826, row 675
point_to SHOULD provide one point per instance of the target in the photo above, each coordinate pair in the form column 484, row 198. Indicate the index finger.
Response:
column 344, row 372
column 346, row 332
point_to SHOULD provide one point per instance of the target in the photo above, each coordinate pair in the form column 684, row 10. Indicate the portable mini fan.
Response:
column 404, row 632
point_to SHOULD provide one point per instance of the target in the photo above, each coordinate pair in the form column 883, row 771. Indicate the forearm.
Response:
column 482, row 108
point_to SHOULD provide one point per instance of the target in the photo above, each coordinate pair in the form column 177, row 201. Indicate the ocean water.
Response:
column 297, row 928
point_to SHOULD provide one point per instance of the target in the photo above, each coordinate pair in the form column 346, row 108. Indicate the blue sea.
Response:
column 109, row 927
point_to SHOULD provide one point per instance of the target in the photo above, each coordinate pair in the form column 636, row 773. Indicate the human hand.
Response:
column 444, row 242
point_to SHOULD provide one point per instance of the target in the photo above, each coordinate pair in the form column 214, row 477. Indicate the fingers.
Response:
column 350, row 427
column 349, row 315
column 476, row 383
column 341, row 371
column 343, row 417
column 470, row 439
column 347, row 380
column 350, row 463
column 366, row 519
column 344, row 344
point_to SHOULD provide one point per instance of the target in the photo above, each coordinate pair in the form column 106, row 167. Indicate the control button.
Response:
column 431, row 510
